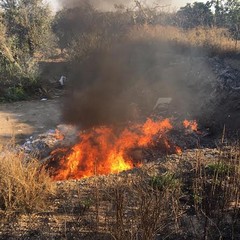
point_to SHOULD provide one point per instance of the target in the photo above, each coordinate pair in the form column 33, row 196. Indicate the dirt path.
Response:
column 22, row 119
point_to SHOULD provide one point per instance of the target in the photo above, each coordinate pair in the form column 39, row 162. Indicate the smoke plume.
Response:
column 109, row 4
column 97, row 4
column 121, row 82
column 124, row 83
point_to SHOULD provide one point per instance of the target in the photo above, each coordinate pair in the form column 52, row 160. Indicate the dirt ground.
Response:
column 20, row 120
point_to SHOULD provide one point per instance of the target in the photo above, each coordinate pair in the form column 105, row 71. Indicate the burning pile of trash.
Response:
column 72, row 154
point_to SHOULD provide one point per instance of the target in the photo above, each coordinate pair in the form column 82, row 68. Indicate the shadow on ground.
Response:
column 22, row 119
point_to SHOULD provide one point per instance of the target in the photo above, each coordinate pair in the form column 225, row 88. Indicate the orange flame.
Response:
column 178, row 150
column 100, row 151
column 192, row 125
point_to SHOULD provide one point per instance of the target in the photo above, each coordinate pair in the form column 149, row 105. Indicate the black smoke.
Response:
column 123, row 84
column 121, row 81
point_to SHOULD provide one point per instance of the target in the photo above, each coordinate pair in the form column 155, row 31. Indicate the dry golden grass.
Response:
column 157, row 200
column 24, row 185
column 211, row 39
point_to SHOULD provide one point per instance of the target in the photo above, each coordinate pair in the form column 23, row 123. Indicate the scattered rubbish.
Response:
column 162, row 102
column 62, row 80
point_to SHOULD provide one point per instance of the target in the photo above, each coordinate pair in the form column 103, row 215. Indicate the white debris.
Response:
column 162, row 102
column 62, row 80
column 44, row 143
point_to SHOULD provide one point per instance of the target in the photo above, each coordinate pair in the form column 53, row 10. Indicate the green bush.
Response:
column 221, row 168
column 165, row 181
column 15, row 94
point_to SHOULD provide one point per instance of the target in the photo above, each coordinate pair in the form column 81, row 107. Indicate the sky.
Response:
column 174, row 3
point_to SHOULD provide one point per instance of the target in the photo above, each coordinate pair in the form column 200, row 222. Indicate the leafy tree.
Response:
column 227, row 14
column 70, row 23
column 219, row 12
column 7, row 61
column 28, row 23
column 83, row 28
column 196, row 14
column 25, row 29
column 232, row 9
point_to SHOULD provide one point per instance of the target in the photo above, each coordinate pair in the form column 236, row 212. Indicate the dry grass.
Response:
column 216, row 192
column 144, row 207
column 24, row 185
column 216, row 40
column 196, row 197
column 193, row 196
column 197, row 41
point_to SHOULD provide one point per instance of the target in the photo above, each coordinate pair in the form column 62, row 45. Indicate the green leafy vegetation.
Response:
column 25, row 28
column 164, row 181
column 220, row 169
column 29, row 32
column 15, row 94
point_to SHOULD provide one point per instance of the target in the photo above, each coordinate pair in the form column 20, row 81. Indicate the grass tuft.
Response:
column 24, row 185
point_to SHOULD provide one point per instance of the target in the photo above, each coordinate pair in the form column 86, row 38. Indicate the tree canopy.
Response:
column 219, row 13
column 28, row 23
column 196, row 14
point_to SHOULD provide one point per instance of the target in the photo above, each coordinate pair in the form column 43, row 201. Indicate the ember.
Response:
column 102, row 151
column 192, row 125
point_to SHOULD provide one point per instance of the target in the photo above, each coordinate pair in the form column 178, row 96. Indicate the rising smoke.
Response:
column 97, row 4
column 122, row 83
column 112, row 87
column 109, row 4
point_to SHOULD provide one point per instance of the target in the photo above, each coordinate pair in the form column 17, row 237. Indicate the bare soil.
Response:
column 22, row 119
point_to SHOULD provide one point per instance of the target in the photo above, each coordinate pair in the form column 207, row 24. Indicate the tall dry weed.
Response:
column 24, row 185
column 216, row 40
column 216, row 192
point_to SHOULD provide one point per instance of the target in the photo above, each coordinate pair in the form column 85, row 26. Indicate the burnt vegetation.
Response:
column 119, row 59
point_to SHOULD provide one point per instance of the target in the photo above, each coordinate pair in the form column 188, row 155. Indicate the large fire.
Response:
column 103, row 150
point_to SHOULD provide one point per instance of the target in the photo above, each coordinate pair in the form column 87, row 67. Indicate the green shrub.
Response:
column 165, row 181
column 15, row 94
column 221, row 168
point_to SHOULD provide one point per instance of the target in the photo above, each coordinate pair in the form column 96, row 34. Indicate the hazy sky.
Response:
column 175, row 3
